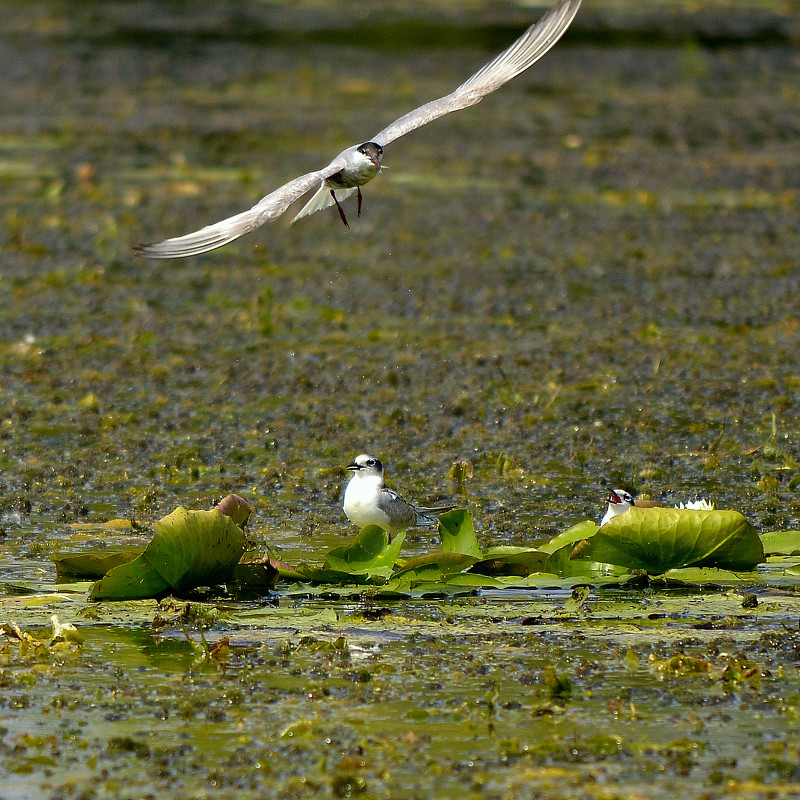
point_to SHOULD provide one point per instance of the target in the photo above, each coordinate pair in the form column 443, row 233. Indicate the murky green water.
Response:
column 588, row 279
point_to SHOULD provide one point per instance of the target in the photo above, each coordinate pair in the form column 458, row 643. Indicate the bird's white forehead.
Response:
column 369, row 464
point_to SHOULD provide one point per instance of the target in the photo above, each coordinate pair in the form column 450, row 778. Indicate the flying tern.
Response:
column 359, row 164
column 368, row 501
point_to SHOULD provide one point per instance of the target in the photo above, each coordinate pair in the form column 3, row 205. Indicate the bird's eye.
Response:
column 371, row 462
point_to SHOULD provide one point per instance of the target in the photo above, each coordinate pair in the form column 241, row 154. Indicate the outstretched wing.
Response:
column 220, row 233
column 528, row 49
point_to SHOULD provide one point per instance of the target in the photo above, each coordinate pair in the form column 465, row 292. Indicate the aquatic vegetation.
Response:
column 189, row 549
column 659, row 539
column 201, row 549
column 592, row 284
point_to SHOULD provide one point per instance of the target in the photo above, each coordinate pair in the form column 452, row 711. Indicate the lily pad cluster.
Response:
column 192, row 549
column 654, row 541
column 189, row 549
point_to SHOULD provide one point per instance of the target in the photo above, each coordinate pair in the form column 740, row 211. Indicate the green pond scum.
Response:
column 588, row 280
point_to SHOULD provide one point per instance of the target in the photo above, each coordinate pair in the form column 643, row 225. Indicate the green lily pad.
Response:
column 136, row 580
column 507, row 560
column 458, row 533
column 370, row 553
column 475, row 580
column 659, row 539
column 304, row 573
column 434, row 566
column 703, row 576
column 561, row 563
column 71, row 566
column 583, row 530
column 189, row 549
column 781, row 543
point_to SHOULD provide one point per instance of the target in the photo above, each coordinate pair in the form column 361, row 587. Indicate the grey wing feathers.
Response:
column 220, row 233
column 525, row 51
column 402, row 513
column 399, row 512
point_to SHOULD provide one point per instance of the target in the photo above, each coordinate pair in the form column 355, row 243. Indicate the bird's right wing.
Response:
column 220, row 233
column 524, row 52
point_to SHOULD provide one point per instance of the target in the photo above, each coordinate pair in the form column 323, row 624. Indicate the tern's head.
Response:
column 374, row 152
column 619, row 501
column 366, row 466
column 621, row 498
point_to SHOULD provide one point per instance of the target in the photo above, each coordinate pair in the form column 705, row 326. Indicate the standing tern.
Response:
column 368, row 501
column 359, row 164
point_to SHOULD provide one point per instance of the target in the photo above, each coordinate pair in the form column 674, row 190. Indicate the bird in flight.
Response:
column 368, row 501
column 359, row 164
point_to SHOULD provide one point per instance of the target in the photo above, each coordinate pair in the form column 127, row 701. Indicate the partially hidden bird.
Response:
column 368, row 501
column 620, row 501
column 359, row 164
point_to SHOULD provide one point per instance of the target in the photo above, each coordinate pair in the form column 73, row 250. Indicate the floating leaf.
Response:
column 261, row 572
column 110, row 525
column 256, row 574
column 307, row 572
column 370, row 553
column 544, row 580
column 433, row 567
column 781, row 543
column 136, row 580
column 90, row 564
column 506, row 560
column 458, row 533
column 659, row 539
column 583, row 530
column 189, row 549
column 474, row 580
column 196, row 548
column 561, row 563
column 702, row 576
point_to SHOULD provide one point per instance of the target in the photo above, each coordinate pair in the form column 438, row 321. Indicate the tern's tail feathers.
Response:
column 322, row 199
column 428, row 516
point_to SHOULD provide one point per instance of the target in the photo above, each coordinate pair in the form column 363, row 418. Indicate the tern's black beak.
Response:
column 615, row 498
column 354, row 467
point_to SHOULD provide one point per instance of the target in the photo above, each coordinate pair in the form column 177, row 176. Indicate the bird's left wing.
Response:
column 220, row 233
column 400, row 512
column 528, row 49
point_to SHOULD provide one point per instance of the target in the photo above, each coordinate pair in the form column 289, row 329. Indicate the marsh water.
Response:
column 588, row 280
